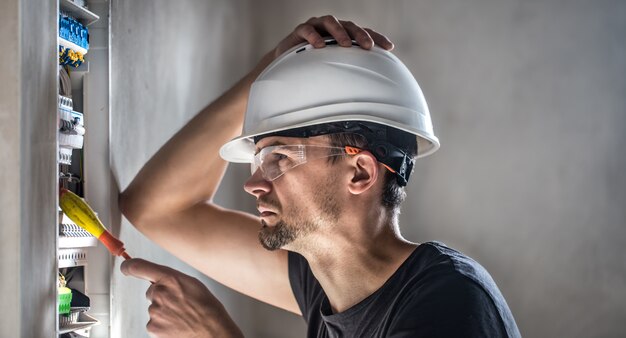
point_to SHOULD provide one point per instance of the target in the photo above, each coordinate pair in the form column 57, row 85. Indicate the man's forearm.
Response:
column 188, row 169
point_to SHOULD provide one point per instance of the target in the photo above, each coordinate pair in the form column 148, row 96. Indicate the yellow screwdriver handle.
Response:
column 81, row 213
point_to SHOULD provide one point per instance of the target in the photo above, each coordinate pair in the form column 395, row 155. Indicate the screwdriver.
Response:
column 81, row 213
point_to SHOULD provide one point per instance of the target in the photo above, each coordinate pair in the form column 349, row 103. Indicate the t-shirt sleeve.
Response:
column 303, row 284
column 453, row 306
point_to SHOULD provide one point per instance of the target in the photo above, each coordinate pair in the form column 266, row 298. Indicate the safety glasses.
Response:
column 274, row 161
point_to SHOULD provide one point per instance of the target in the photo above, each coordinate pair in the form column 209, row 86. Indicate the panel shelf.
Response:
column 78, row 12
column 71, row 45
column 84, row 322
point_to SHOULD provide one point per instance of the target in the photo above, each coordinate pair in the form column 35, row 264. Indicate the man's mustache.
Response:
column 268, row 203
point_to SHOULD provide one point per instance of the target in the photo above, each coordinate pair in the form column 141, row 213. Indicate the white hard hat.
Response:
column 309, row 86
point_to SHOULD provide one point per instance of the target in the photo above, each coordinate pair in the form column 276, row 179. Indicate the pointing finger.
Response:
column 143, row 269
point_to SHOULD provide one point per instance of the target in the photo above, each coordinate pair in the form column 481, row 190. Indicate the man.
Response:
column 332, row 129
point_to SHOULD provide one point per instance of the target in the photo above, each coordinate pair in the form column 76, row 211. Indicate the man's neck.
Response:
column 351, row 265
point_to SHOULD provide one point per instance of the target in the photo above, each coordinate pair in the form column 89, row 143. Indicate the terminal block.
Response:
column 73, row 31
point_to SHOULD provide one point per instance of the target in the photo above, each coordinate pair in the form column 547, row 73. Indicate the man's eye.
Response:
column 279, row 156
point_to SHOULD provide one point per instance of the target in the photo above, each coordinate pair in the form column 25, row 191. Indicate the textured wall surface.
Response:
column 28, row 169
column 10, row 152
column 38, row 173
column 169, row 60
column 100, row 189
column 527, row 98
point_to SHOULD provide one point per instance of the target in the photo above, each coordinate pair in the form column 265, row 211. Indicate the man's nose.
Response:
column 256, row 185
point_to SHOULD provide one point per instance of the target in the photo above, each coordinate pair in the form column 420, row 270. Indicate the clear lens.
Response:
column 274, row 161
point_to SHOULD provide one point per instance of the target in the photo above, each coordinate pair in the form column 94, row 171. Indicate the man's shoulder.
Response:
column 441, row 282
column 437, row 267
column 435, row 258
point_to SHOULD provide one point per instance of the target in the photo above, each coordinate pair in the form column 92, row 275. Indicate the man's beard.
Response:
column 287, row 231
column 277, row 236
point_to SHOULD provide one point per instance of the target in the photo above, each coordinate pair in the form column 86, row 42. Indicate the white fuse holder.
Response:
column 72, row 235
column 71, row 129
column 72, row 257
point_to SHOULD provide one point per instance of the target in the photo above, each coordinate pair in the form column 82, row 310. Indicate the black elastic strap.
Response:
column 381, row 142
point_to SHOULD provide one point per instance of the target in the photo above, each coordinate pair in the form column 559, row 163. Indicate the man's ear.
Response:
column 366, row 172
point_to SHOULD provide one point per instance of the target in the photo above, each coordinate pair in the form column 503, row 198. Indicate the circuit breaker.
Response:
column 73, row 302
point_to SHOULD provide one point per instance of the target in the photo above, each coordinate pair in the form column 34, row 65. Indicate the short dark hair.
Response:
column 393, row 194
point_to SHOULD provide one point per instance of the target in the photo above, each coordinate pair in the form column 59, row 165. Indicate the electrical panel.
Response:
column 73, row 302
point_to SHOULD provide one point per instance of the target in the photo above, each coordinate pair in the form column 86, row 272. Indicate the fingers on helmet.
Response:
column 330, row 25
column 341, row 30
column 308, row 32
column 359, row 34
column 334, row 28
column 380, row 40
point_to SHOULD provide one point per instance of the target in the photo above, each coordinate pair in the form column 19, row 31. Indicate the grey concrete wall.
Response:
column 10, row 151
column 38, row 172
column 100, row 190
column 168, row 60
column 28, row 169
column 527, row 98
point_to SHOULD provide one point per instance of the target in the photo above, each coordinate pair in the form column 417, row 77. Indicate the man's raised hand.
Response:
column 314, row 29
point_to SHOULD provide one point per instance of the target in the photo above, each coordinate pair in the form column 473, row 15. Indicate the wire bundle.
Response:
column 70, row 57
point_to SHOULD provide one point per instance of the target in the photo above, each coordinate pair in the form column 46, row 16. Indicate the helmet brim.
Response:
column 242, row 149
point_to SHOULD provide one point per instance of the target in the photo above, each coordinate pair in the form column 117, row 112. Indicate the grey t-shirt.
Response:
column 436, row 292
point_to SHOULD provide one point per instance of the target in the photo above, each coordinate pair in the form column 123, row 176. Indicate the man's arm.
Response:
column 170, row 199
column 170, row 202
